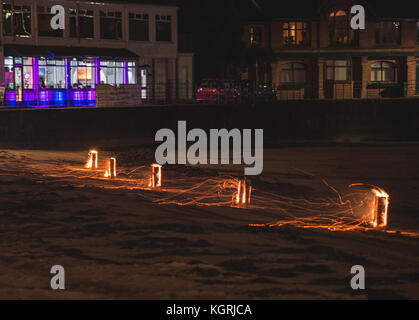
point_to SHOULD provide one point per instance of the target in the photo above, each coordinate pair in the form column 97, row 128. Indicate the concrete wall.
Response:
column 293, row 121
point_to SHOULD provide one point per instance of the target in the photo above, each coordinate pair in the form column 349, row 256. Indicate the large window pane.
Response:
column 387, row 32
column 81, row 23
column 293, row 73
column 163, row 28
column 44, row 23
column 111, row 25
column 296, row 33
column 382, row 72
column 16, row 20
column 138, row 27
column 338, row 70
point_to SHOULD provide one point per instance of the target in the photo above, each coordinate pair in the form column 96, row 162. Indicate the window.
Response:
column 51, row 74
column 18, row 73
column 382, row 72
column 44, row 23
column 111, row 25
column 138, row 27
column 387, row 32
column 17, row 20
column 9, row 73
column 27, row 73
column 255, row 37
column 293, row 73
column 417, row 31
column 340, row 29
column 338, row 70
column 132, row 77
column 296, row 33
column 163, row 28
column 82, row 74
column 81, row 23
column 112, row 72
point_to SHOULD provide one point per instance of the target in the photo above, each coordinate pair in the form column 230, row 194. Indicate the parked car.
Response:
column 217, row 90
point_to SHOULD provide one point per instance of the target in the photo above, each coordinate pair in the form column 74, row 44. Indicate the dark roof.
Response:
column 311, row 9
column 62, row 51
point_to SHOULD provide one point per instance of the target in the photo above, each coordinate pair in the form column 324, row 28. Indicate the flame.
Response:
column 242, row 196
column 110, row 172
column 379, row 217
column 155, row 178
column 92, row 160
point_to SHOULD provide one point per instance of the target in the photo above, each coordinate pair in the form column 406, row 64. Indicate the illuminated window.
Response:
column 27, row 73
column 255, row 36
column 382, row 72
column 51, row 74
column 340, row 29
column 18, row 73
column 44, row 23
column 293, row 73
column 163, row 28
column 387, row 32
column 138, row 27
column 16, row 20
column 296, row 33
column 81, row 23
column 82, row 74
column 338, row 70
column 112, row 72
column 132, row 77
column 111, row 25
column 9, row 73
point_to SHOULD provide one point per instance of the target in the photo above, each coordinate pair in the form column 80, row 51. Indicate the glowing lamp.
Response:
column 111, row 168
column 155, row 179
column 380, row 208
column 92, row 160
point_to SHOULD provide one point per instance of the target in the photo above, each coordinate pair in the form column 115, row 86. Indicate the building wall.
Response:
column 161, row 55
column 362, row 54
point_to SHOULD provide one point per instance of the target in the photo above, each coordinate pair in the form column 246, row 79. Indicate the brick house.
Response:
column 318, row 55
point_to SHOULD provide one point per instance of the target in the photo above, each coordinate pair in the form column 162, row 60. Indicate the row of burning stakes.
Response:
column 242, row 196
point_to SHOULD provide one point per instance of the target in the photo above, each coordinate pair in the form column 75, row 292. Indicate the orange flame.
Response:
column 92, row 160
column 242, row 196
column 110, row 172
column 155, row 179
column 379, row 210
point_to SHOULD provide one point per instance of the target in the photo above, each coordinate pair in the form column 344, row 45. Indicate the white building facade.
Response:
column 102, row 43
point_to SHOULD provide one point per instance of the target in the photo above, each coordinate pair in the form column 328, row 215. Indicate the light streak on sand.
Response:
column 365, row 207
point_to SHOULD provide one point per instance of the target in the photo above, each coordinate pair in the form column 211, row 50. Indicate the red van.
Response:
column 216, row 90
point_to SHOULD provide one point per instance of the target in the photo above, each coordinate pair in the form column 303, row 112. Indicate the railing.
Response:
column 170, row 92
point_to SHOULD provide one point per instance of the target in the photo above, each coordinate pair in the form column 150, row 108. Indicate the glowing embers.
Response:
column 379, row 208
column 92, row 160
column 155, row 179
column 110, row 172
column 244, row 191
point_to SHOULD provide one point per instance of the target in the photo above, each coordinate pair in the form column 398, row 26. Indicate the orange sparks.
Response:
column 92, row 160
column 111, row 170
column 155, row 179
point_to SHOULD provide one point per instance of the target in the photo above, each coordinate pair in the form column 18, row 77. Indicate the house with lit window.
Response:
column 316, row 54
column 106, row 49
